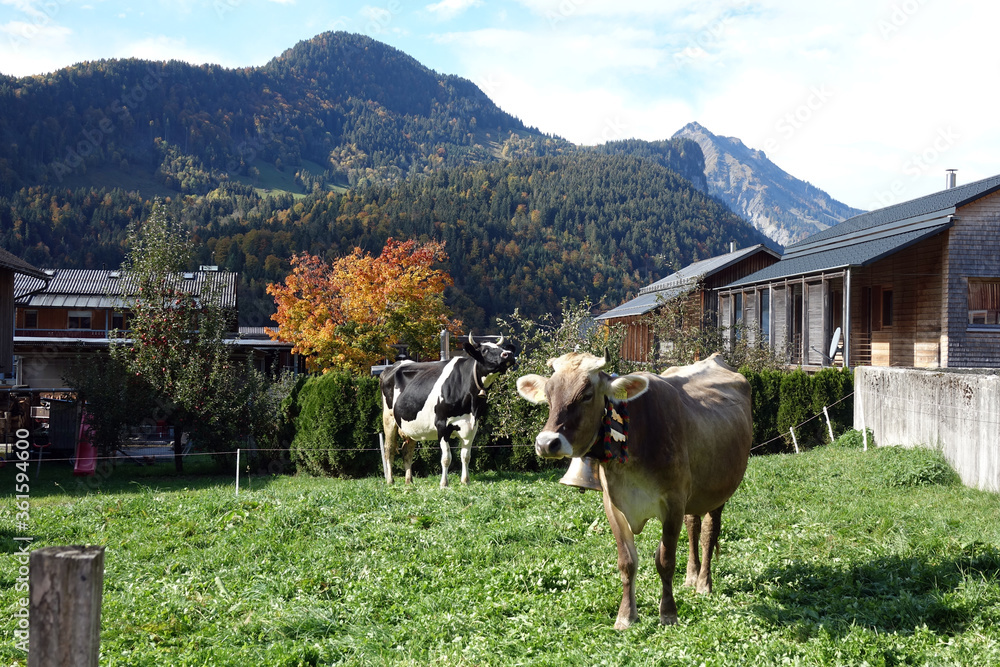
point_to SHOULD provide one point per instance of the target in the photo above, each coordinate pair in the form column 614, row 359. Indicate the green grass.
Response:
column 274, row 182
column 831, row 557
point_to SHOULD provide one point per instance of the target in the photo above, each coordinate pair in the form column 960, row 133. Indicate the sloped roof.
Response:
column 871, row 236
column 99, row 288
column 11, row 261
column 679, row 282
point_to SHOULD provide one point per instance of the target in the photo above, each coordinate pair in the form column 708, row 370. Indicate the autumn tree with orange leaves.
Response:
column 347, row 314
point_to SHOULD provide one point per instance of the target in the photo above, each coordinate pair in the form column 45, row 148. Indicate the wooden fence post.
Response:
column 64, row 620
column 829, row 426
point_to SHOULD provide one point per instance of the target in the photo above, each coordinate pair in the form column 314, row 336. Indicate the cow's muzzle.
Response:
column 552, row 445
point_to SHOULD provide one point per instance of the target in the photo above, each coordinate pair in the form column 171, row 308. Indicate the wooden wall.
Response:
column 915, row 276
column 6, row 321
column 973, row 252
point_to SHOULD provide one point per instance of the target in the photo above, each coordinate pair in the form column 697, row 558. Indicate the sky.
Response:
column 869, row 100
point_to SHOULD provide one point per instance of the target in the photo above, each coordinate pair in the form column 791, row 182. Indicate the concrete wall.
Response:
column 954, row 411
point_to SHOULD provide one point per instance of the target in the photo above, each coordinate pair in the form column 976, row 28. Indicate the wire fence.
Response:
column 121, row 456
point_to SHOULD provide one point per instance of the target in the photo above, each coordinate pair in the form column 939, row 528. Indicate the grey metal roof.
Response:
column 643, row 303
column 96, row 288
column 955, row 197
column 861, row 253
column 696, row 271
column 679, row 282
column 871, row 236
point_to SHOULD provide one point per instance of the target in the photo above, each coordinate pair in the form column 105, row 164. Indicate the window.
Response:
column 765, row 315
column 887, row 307
column 31, row 319
column 984, row 301
column 738, row 314
column 79, row 319
column 118, row 320
column 877, row 303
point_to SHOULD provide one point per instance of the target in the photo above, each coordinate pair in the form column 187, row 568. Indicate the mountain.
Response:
column 336, row 110
column 343, row 142
column 781, row 206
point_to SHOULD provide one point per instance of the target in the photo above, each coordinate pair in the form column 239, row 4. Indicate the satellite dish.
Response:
column 835, row 343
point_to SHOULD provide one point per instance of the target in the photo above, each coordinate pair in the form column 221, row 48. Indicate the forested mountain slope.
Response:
column 340, row 142
column 525, row 234
column 353, row 108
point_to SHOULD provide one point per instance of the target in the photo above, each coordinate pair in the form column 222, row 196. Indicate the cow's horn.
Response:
column 500, row 342
column 471, row 341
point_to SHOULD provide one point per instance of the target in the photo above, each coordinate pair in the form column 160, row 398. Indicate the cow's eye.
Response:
column 588, row 394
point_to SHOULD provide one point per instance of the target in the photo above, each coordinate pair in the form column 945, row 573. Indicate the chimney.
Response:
column 949, row 178
column 732, row 246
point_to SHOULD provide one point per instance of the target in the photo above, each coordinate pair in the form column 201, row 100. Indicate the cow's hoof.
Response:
column 691, row 581
column 668, row 619
column 622, row 624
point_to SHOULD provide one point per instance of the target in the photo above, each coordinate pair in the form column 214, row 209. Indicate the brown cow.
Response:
column 683, row 455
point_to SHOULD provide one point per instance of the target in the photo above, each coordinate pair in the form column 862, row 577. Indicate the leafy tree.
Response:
column 513, row 421
column 115, row 398
column 348, row 314
column 176, row 338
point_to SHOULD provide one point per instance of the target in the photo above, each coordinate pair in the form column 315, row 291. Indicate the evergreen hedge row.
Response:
column 336, row 418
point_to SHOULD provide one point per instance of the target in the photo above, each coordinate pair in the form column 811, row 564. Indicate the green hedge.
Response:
column 336, row 418
column 782, row 400
column 336, row 430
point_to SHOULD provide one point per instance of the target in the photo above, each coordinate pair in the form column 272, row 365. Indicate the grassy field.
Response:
column 830, row 557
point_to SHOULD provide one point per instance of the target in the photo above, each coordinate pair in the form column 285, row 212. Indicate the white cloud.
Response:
column 28, row 48
column 169, row 48
column 448, row 9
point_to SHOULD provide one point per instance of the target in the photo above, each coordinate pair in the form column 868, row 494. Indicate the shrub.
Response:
column 765, row 390
column 854, row 440
column 828, row 387
column 796, row 408
column 901, row 467
column 335, row 432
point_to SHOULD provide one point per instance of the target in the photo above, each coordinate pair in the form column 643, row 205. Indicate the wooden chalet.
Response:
column 696, row 284
column 12, row 268
column 72, row 312
column 916, row 284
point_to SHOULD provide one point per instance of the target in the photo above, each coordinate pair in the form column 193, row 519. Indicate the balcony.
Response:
column 61, row 333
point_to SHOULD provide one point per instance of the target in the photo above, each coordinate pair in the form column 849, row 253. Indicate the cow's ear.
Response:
column 532, row 388
column 627, row 387
column 473, row 351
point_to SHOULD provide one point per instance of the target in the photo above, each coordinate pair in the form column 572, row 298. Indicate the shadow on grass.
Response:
column 896, row 594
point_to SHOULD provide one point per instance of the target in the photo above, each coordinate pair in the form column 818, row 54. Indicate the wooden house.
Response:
column 916, row 284
column 695, row 285
column 12, row 267
column 73, row 311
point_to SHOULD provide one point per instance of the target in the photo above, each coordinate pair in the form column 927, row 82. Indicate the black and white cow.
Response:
column 440, row 400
